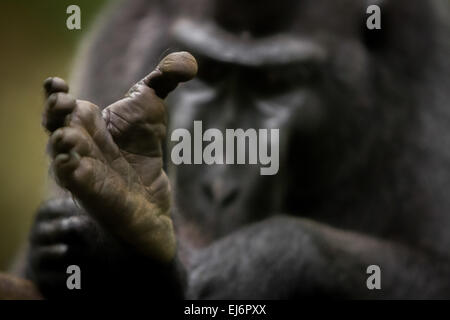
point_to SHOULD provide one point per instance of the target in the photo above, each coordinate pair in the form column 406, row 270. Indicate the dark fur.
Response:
column 374, row 176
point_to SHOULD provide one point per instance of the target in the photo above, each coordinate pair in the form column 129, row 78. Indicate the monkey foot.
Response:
column 127, row 193
column 111, row 161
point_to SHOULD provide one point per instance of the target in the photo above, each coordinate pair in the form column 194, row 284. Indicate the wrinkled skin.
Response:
column 363, row 177
column 111, row 162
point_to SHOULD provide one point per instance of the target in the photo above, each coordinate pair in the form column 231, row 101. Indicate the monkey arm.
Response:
column 288, row 257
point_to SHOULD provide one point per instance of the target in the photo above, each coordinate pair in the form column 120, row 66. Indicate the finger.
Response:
column 67, row 230
column 174, row 68
column 55, row 257
column 57, row 208
column 44, row 257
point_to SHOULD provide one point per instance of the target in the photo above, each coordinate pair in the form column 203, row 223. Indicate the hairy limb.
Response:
column 111, row 162
column 288, row 257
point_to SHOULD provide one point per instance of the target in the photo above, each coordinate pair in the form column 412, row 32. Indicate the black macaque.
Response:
column 364, row 177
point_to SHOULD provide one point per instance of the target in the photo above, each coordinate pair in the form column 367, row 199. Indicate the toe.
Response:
column 64, row 164
column 88, row 116
column 70, row 139
column 55, row 84
column 89, row 179
column 57, row 107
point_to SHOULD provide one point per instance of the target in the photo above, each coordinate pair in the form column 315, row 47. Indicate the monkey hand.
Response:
column 62, row 235
column 111, row 161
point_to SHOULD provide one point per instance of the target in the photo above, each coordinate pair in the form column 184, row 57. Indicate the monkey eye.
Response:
column 279, row 80
column 210, row 71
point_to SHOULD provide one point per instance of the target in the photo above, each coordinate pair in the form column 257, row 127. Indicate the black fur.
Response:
column 367, row 184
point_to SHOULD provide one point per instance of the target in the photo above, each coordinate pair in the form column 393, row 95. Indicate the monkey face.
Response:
column 315, row 75
column 271, row 82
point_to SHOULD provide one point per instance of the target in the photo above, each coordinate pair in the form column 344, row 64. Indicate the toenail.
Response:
column 58, row 135
column 75, row 155
column 63, row 157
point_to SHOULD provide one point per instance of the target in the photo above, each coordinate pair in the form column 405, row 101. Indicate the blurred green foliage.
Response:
column 35, row 44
